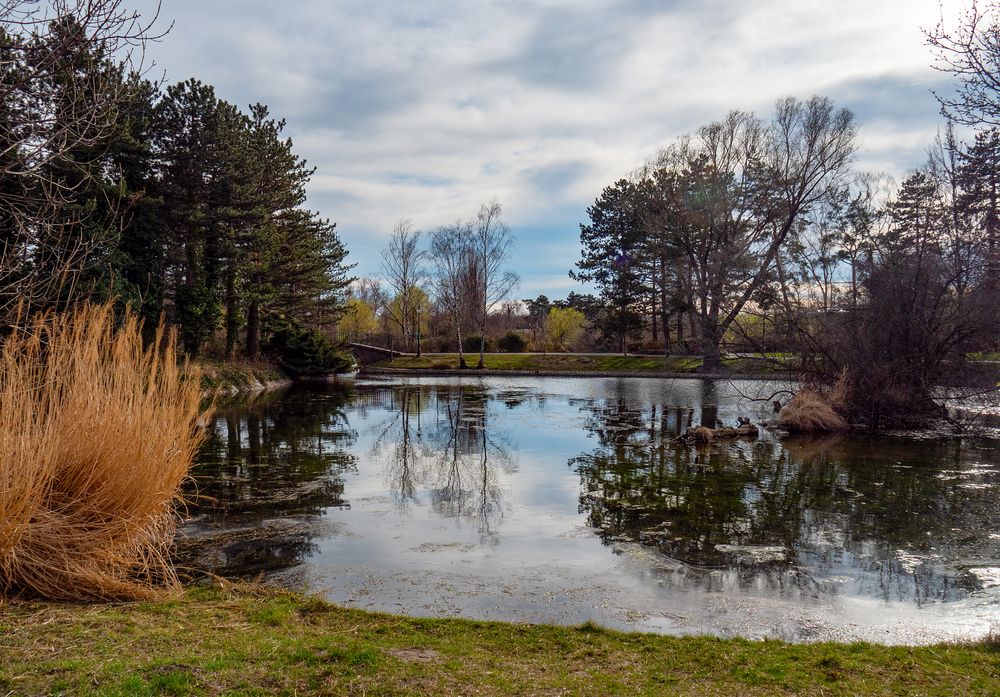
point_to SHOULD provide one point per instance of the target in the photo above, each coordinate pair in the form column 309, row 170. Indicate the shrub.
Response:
column 303, row 351
column 512, row 342
column 96, row 435
column 810, row 412
column 470, row 344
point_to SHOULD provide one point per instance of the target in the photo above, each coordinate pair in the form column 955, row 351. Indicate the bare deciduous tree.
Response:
column 491, row 242
column 740, row 190
column 452, row 259
column 403, row 270
column 971, row 53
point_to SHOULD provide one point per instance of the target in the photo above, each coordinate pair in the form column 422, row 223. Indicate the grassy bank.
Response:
column 233, row 377
column 254, row 642
column 574, row 362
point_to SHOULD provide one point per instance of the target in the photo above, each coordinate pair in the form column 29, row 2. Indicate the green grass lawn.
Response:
column 571, row 362
column 985, row 356
column 252, row 641
column 550, row 361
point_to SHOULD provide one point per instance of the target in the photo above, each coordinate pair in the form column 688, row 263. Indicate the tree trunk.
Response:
column 232, row 312
column 461, row 353
column 656, row 336
column 711, row 343
column 253, row 329
column 404, row 326
column 192, row 343
column 621, row 316
column 664, row 307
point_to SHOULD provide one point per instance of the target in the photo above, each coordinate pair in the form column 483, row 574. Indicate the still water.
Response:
column 562, row 500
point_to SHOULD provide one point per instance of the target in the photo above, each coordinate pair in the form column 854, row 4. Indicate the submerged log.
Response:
column 701, row 434
column 744, row 431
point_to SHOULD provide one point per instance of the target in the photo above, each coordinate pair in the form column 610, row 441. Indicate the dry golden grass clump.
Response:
column 96, row 435
column 701, row 434
column 810, row 412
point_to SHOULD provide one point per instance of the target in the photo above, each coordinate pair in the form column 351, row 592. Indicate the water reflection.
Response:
column 442, row 441
column 364, row 487
column 267, row 471
column 890, row 519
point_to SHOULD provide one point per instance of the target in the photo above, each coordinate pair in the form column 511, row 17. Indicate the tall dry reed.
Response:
column 811, row 412
column 97, row 433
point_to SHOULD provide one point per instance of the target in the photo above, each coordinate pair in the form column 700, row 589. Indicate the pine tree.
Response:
column 979, row 176
column 188, row 123
column 917, row 215
column 611, row 243
column 137, row 266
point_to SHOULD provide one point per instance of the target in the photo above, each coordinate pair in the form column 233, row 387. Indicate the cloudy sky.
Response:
column 425, row 109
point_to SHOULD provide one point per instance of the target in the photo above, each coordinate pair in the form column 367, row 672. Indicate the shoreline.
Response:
column 251, row 640
column 491, row 372
column 225, row 380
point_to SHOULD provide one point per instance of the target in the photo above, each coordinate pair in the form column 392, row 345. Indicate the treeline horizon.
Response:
column 655, row 256
column 742, row 232
column 690, row 256
column 177, row 203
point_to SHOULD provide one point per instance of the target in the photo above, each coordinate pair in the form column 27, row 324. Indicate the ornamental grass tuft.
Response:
column 98, row 431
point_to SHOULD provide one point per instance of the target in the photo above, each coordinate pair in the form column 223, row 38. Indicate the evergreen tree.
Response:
column 308, row 273
column 137, row 266
column 276, row 178
column 188, row 124
column 916, row 215
column 611, row 243
column 979, row 176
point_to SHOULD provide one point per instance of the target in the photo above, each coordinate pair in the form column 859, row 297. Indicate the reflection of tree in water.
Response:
column 810, row 516
column 265, row 474
column 438, row 437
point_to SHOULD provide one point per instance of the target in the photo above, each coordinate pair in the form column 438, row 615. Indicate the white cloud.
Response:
column 423, row 110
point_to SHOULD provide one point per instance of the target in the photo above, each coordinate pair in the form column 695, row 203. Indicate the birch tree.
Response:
column 403, row 270
column 451, row 255
column 491, row 242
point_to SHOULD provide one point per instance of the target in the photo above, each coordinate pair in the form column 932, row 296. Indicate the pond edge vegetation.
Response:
column 99, row 432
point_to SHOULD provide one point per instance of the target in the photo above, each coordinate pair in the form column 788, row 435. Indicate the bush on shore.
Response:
column 302, row 351
column 97, row 433
column 471, row 344
column 512, row 342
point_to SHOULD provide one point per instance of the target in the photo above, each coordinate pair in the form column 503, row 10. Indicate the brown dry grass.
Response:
column 701, row 434
column 96, row 435
column 810, row 412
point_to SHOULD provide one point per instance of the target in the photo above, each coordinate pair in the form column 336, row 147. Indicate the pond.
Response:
column 562, row 500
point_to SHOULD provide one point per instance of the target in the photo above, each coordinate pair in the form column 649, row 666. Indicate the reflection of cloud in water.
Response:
column 757, row 538
column 439, row 440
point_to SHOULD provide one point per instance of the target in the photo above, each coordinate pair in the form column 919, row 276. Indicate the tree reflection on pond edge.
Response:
column 896, row 520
